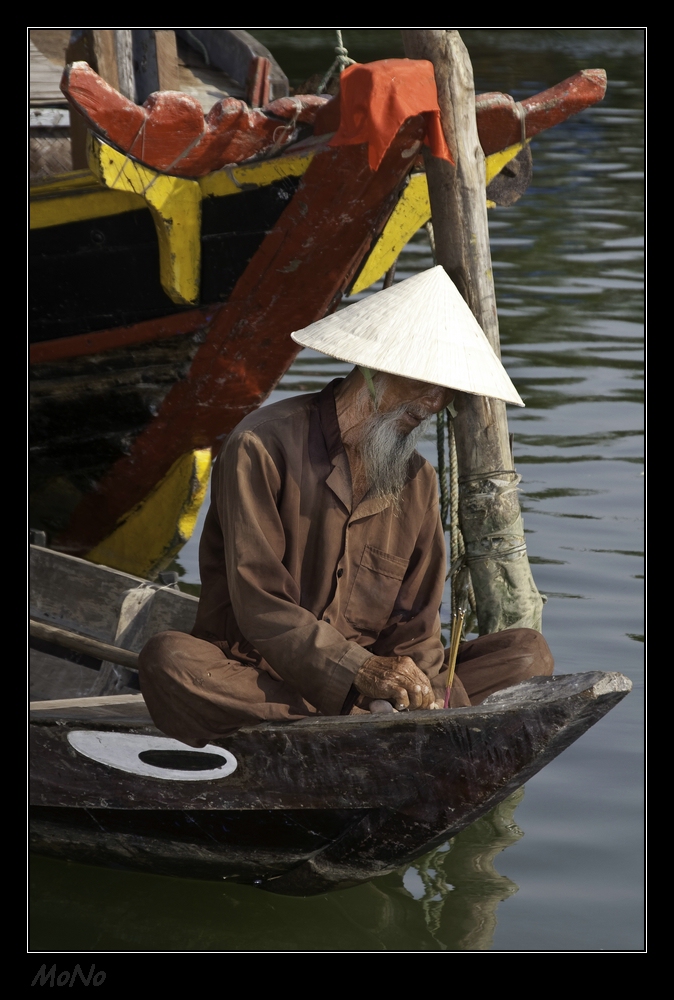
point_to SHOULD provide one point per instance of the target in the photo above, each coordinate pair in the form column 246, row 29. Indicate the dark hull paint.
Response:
column 104, row 272
column 314, row 805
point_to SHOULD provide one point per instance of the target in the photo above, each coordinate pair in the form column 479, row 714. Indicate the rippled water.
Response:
column 568, row 269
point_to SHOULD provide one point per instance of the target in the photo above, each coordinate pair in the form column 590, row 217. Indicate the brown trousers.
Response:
column 195, row 693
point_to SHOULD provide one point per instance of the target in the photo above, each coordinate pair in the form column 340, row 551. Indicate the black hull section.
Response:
column 241, row 846
column 99, row 404
column 104, row 272
column 311, row 806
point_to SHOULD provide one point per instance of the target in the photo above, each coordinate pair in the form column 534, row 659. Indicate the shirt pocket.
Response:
column 375, row 589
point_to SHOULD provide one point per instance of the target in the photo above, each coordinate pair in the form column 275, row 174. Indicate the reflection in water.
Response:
column 460, row 888
column 446, row 901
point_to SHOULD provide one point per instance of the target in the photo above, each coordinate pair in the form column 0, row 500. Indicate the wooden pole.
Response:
column 83, row 644
column 489, row 511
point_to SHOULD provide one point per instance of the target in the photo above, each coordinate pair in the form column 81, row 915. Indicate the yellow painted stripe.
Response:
column 232, row 180
column 496, row 162
column 150, row 535
column 89, row 204
column 175, row 204
column 411, row 213
column 78, row 195
column 67, row 183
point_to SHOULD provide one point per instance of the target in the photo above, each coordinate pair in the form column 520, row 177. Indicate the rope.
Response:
column 127, row 158
column 283, row 130
column 463, row 594
column 158, row 173
column 456, row 537
column 442, row 470
column 489, row 475
column 522, row 115
column 499, row 553
column 342, row 60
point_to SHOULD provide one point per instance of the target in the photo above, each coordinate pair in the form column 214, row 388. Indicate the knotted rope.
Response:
column 342, row 60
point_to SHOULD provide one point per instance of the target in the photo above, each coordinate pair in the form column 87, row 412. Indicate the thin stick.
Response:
column 457, row 629
column 83, row 644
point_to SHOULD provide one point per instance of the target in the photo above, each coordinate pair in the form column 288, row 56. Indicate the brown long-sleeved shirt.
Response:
column 296, row 581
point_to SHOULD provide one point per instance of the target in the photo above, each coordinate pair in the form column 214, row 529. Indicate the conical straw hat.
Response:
column 421, row 329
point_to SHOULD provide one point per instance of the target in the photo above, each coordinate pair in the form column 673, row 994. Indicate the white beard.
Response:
column 386, row 453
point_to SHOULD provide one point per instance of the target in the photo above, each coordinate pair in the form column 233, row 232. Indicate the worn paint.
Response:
column 149, row 536
column 120, row 336
column 411, row 213
column 234, row 179
column 122, row 751
column 175, row 204
column 247, row 346
column 76, row 196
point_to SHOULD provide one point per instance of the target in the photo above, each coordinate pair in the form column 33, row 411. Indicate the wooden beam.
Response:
column 489, row 509
column 145, row 69
column 124, row 56
column 155, row 59
column 83, row 644
column 167, row 58
column 97, row 701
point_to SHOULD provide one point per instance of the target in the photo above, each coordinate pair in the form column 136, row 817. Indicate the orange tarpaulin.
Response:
column 378, row 97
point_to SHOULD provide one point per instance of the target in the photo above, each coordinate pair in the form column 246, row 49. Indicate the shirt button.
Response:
column 339, row 573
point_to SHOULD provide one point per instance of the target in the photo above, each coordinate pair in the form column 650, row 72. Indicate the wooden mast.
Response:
column 489, row 510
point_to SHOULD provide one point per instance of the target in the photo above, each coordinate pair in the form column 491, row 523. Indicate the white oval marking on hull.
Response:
column 121, row 751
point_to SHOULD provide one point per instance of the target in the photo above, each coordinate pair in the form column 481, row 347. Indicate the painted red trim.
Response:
column 498, row 120
column 297, row 275
column 121, row 336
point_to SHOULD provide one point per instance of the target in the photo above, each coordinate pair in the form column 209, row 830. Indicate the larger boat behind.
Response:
column 165, row 284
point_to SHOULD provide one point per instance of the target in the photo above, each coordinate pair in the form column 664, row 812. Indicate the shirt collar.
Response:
column 339, row 479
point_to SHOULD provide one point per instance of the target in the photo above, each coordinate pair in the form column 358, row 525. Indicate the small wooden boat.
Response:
column 296, row 808
column 165, row 283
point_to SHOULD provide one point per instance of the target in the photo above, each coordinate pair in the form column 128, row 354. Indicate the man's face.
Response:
column 403, row 407
column 416, row 401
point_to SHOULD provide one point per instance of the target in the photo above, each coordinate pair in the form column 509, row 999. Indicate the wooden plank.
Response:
column 107, row 340
column 52, row 43
column 232, row 50
column 49, row 118
column 145, row 66
column 167, row 58
column 45, row 80
column 70, row 592
column 80, row 597
column 105, row 54
column 102, row 701
column 124, row 57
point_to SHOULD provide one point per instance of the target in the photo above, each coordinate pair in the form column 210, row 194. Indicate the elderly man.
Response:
column 322, row 556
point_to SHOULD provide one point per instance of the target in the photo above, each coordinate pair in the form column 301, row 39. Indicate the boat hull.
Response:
column 311, row 806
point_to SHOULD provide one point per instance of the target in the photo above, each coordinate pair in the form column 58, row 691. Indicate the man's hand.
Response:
column 396, row 679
